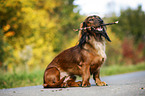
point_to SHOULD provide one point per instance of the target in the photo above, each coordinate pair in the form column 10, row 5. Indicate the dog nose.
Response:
column 101, row 21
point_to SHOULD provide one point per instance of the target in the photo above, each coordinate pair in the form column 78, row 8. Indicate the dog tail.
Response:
column 54, row 85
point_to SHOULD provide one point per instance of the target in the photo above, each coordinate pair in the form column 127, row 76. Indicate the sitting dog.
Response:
column 84, row 59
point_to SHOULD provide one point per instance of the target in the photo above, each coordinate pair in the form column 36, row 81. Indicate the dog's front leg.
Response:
column 85, row 75
column 96, row 77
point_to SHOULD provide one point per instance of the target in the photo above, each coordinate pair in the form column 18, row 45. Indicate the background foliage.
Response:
column 131, row 32
column 33, row 32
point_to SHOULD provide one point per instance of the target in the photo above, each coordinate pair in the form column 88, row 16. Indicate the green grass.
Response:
column 118, row 69
column 9, row 80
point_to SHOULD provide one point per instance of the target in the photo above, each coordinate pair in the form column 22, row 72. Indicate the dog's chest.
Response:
column 100, row 49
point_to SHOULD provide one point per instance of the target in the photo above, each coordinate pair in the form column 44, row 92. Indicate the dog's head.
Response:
column 92, row 27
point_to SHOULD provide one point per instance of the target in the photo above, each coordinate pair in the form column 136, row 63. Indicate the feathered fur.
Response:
column 83, row 59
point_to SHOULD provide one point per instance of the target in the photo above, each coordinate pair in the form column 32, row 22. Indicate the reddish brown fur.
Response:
column 82, row 61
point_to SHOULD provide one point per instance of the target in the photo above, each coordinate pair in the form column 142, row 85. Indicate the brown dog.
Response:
column 84, row 59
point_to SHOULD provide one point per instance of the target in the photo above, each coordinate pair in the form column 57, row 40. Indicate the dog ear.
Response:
column 104, row 33
column 83, row 38
column 82, row 25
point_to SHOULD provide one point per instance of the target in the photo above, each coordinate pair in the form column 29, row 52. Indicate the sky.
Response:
column 104, row 7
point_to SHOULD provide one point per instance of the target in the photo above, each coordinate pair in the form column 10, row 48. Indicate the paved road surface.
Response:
column 130, row 84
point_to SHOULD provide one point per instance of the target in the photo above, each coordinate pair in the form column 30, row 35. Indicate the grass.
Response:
column 12, row 80
column 118, row 69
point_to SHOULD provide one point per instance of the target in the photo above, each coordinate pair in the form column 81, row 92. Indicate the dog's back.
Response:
column 67, row 60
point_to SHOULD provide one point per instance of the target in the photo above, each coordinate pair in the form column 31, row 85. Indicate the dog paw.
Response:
column 64, row 85
column 101, row 84
column 79, row 84
column 44, row 85
column 86, row 84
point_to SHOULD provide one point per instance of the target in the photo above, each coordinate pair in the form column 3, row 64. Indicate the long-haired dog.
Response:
column 84, row 59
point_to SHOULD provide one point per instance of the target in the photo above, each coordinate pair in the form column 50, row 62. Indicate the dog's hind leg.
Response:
column 71, row 82
column 52, row 78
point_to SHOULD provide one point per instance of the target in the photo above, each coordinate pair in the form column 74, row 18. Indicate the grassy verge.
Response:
column 118, row 69
column 9, row 80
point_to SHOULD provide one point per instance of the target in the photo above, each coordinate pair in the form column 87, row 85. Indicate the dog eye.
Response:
column 91, row 19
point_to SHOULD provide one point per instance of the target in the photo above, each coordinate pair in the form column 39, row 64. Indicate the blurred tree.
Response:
column 45, row 26
column 1, row 48
column 131, row 24
column 131, row 30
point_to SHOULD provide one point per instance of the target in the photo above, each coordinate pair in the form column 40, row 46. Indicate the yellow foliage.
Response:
column 10, row 67
column 15, row 26
column 10, row 33
column 6, row 28
column 116, row 42
column 18, row 14
column 72, row 43
column 51, row 4
column 14, row 18
column 42, row 25
column 31, row 62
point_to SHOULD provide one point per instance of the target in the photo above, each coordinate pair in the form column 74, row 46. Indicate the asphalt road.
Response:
column 130, row 84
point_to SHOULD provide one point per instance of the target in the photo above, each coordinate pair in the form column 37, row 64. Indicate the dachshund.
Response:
column 84, row 59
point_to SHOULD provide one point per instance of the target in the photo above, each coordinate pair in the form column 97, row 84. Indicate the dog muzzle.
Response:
column 102, row 31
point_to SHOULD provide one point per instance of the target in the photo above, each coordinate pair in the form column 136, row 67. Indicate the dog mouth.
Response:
column 101, row 30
